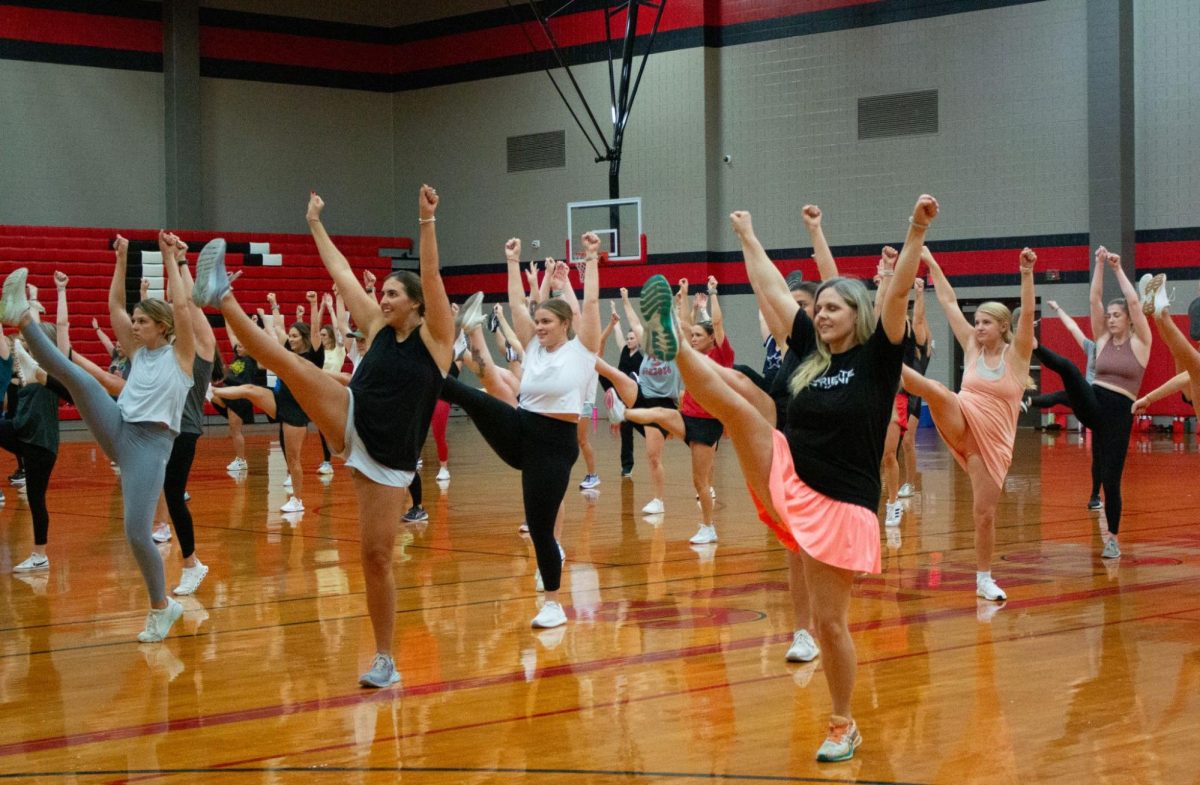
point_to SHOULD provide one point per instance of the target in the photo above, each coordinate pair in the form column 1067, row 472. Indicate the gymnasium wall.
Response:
column 363, row 101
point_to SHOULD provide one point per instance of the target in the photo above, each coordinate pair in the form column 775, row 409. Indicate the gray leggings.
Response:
column 141, row 449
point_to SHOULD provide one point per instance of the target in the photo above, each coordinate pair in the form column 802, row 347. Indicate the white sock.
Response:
column 983, row 575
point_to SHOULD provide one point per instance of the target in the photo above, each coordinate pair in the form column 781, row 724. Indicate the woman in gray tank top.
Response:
column 137, row 429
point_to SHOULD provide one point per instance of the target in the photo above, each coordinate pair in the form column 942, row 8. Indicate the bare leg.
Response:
column 702, row 464
column 262, row 398
column 585, row 446
column 323, row 399
column 293, row 443
column 235, row 433
column 746, row 388
column 654, row 451
column 1185, row 355
column 944, row 407
column 753, row 436
column 908, row 443
column 985, row 496
column 379, row 518
column 829, row 588
column 670, row 419
column 626, row 387
column 801, row 612
column 891, row 466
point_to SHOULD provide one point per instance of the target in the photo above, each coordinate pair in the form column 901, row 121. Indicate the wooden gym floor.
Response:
column 671, row 669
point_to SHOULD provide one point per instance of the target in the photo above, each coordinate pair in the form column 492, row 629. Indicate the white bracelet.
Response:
column 429, row 220
column 918, row 225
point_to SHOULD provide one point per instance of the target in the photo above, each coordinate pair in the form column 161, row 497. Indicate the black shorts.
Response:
column 239, row 406
column 643, row 402
column 914, row 408
column 288, row 411
column 702, row 430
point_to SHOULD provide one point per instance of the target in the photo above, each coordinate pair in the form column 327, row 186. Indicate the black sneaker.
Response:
column 17, row 478
column 1094, row 503
column 415, row 514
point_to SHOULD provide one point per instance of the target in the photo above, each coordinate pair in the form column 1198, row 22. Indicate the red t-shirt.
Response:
column 722, row 354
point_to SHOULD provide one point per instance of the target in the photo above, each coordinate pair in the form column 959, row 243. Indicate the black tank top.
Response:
column 395, row 389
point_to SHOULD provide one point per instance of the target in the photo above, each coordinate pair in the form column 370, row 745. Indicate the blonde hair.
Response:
column 999, row 312
column 158, row 311
column 857, row 297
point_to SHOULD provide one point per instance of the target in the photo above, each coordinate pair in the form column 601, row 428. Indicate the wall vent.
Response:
column 537, row 151
column 900, row 114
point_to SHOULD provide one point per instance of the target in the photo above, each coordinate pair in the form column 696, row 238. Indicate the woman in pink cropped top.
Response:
column 1123, row 340
column 979, row 423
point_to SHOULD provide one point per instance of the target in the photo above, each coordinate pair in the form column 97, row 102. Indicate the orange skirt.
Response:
column 836, row 533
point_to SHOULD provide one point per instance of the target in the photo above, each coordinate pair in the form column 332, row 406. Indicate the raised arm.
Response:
column 959, row 325
column 1096, row 296
column 1068, row 322
column 544, row 289
column 366, row 312
column 770, row 287
column 920, row 323
column 438, row 325
column 105, row 341
column 714, row 311
column 62, row 322
column 682, row 310
column 181, row 303
column 589, row 327
column 826, row 264
column 565, row 291
column 1023, row 333
column 631, row 315
column 314, row 306
column 111, row 383
column 510, row 337
column 614, row 322
column 894, row 312
column 117, row 315
column 342, row 316
column 885, row 270
column 522, row 322
column 1137, row 318
column 277, row 329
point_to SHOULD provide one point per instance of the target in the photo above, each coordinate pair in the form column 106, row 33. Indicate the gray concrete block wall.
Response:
column 265, row 146
column 454, row 136
column 1167, row 84
column 80, row 146
column 1010, row 156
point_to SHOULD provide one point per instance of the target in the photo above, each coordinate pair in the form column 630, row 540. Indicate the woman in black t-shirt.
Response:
column 818, row 487
column 380, row 421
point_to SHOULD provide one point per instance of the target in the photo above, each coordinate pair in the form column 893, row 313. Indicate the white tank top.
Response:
column 156, row 388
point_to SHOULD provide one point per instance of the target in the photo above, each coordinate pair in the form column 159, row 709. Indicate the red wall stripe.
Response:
column 731, row 12
column 223, row 43
column 76, row 29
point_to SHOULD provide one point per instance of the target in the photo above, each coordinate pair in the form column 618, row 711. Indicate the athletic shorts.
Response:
column 702, row 430
column 355, row 454
column 288, row 411
column 902, row 410
column 643, row 402
column 239, row 406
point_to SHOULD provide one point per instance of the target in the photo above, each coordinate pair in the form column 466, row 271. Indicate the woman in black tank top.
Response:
column 375, row 423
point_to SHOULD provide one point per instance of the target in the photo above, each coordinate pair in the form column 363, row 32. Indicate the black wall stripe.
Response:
column 130, row 9
column 67, row 54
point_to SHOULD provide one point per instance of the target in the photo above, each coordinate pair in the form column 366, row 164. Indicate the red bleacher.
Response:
column 1160, row 369
column 85, row 255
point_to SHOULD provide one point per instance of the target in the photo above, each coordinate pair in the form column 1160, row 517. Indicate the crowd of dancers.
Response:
column 817, row 431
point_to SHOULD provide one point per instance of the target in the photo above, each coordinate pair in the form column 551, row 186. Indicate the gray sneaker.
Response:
column 13, row 301
column 212, row 282
column 158, row 622
column 1111, row 550
column 382, row 674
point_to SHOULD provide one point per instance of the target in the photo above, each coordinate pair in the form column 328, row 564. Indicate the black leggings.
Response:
column 39, row 464
column 1061, row 398
column 179, row 466
column 415, row 490
column 1109, row 415
column 542, row 448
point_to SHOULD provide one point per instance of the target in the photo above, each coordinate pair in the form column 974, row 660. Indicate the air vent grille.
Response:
column 537, row 151
column 900, row 114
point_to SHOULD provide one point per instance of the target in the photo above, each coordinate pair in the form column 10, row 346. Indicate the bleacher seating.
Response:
column 86, row 256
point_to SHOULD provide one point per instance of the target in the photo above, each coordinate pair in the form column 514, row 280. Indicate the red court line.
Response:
column 79, row 29
column 476, row 682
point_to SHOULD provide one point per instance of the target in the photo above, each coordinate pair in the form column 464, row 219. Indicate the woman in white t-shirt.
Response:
column 537, row 435
column 138, row 429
